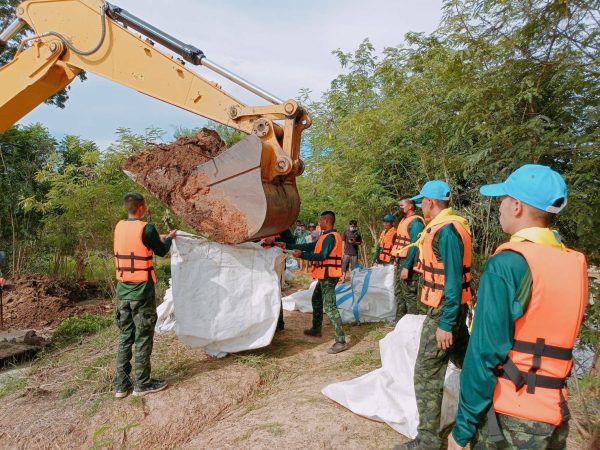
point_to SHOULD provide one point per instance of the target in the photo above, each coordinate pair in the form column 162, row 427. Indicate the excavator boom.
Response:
column 98, row 37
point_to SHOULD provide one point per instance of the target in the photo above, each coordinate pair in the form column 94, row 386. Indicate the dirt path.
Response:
column 261, row 399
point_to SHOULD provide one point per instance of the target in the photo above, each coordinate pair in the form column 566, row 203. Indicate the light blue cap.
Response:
column 534, row 184
column 435, row 190
column 389, row 218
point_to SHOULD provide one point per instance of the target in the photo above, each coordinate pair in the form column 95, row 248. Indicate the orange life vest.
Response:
column 133, row 259
column 403, row 236
column 434, row 278
column 332, row 266
column 386, row 243
column 532, row 383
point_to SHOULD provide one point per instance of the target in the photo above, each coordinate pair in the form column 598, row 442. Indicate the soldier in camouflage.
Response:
column 136, row 305
column 444, row 336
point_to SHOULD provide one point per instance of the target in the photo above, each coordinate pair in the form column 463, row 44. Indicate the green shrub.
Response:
column 76, row 326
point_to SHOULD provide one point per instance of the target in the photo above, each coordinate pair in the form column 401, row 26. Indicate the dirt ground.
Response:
column 264, row 399
column 40, row 303
column 167, row 170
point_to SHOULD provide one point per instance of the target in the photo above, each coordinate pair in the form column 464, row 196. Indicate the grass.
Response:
column 274, row 429
column 11, row 384
column 266, row 366
column 366, row 360
column 77, row 326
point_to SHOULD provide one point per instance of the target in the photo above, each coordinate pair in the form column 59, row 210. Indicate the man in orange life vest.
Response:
column 326, row 256
column 531, row 300
column 406, row 279
column 135, row 243
column 383, row 249
column 445, row 262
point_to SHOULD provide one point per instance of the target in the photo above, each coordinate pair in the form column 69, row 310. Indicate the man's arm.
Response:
column 152, row 240
column 504, row 291
column 450, row 249
column 309, row 255
column 414, row 229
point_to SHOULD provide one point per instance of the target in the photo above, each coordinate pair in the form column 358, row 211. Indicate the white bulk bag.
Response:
column 387, row 394
column 368, row 297
column 226, row 297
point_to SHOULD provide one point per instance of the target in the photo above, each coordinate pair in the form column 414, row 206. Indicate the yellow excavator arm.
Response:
column 101, row 38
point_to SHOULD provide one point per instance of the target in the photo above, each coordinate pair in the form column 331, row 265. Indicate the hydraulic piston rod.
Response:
column 9, row 32
column 188, row 52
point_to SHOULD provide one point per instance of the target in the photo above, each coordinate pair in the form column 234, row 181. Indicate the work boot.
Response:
column 311, row 332
column 123, row 391
column 338, row 347
column 415, row 444
column 280, row 326
column 152, row 386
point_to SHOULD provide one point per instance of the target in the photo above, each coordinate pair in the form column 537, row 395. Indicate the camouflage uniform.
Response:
column 524, row 434
column 324, row 298
column 430, row 370
column 136, row 320
column 406, row 294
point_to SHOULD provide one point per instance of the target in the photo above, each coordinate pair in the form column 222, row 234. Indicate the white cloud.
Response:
column 281, row 46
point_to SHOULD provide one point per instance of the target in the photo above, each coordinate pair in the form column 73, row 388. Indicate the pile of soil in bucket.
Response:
column 167, row 171
column 41, row 303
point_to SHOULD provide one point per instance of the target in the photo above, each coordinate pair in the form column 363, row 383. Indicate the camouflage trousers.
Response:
column 523, row 434
column 323, row 298
column 136, row 320
column 430, row 370
column 406, row 294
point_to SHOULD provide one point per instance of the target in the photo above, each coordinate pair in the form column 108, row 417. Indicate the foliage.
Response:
column 77, row 326
column 497, row 85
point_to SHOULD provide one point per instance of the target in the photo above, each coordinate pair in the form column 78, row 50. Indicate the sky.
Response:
column 282, row 46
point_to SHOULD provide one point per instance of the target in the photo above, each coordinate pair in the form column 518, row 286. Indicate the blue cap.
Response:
column 435, row 190
column 389, row 218
column 534, row 184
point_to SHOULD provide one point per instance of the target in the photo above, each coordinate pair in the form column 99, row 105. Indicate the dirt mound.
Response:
column 38, row 302
column 167, row 170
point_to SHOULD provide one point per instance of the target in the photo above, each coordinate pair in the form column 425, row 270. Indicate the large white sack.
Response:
column 368, row 297
column 387, row 394
column 226, row 297
column 166, row 313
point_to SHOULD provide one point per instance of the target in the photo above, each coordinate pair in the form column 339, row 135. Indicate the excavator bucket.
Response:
column 223, row 194
column 234, row 181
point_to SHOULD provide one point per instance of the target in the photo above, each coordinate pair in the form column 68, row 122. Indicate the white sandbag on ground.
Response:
column 368, row 297
column 387, row 394
column 226, row 297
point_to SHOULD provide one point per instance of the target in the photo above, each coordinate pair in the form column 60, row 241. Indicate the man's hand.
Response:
column 404, row 274
column 173, row 234
column 297, row 253
column 268, row 240
column 2, row 281
column 452, row 444
column 444, row 339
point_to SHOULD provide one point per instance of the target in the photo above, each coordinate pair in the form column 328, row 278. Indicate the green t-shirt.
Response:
column 503, row 297
column 139, row 291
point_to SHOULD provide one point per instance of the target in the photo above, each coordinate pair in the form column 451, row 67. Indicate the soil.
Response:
column 40, row 303
column 167, row 171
